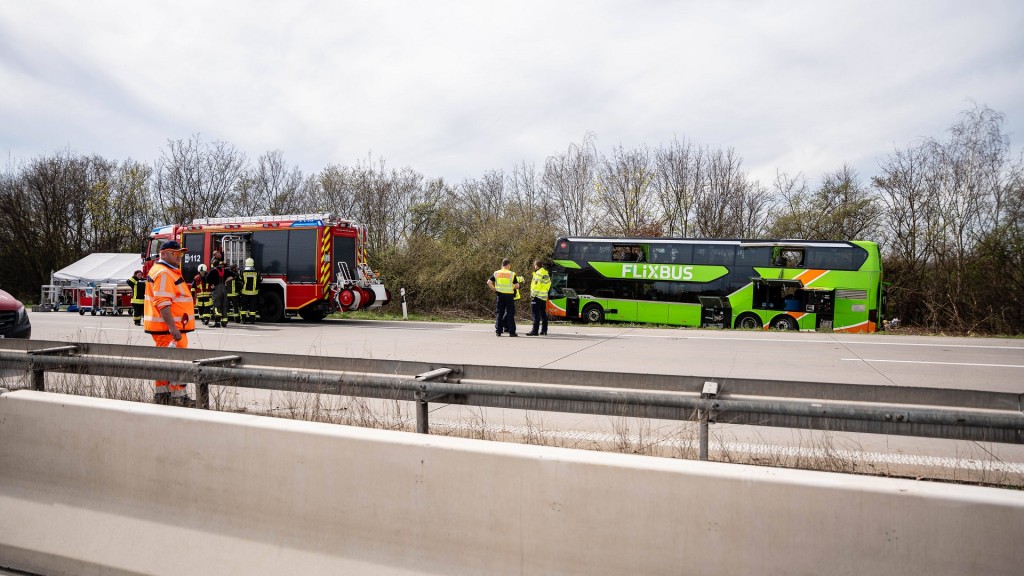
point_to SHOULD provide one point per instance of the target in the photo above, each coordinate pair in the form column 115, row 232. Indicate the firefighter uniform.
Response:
column 165, row 288
column 217, row 278
column 233, row 286
column 138, row 285
column 250, row 292
column 540, row 285
column 204, row 294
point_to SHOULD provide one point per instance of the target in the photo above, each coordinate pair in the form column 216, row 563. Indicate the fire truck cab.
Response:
column 311, row 264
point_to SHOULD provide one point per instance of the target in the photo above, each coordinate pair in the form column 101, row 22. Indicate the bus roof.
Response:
column 734, row 242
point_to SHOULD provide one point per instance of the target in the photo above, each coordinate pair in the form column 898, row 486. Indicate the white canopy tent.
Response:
column 75, row 284
column 99, row 268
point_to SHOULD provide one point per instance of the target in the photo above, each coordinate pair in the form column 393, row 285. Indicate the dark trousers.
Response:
column 137, row 312
column 220, row 305
column 506, row 314
column 250, row 308
column 539, row 308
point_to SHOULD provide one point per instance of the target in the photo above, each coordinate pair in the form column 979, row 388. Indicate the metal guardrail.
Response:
column 926, row 412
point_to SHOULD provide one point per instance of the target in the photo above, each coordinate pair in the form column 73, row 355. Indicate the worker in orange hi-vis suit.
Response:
column 169, row 315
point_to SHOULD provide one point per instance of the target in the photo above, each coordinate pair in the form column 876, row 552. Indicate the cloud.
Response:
column 454, row 89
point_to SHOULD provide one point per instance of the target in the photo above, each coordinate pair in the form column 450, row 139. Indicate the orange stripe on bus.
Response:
column 809, row 276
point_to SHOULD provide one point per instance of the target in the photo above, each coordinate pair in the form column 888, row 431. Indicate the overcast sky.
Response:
column 454, row 89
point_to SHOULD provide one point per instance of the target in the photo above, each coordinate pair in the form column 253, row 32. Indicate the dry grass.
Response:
column 973, row 463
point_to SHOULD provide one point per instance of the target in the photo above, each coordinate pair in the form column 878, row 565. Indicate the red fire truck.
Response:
column 311, row 264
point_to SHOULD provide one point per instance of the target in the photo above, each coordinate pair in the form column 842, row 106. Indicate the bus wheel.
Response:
column 748, row 322
column 593, row 313
column 784, row 322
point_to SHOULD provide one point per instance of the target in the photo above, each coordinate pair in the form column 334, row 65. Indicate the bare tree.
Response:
column 194, row 179
column 568, row 181
column 625, row 192
column 840, row 209
column 335, row 191
column 678, row 171
column 721, row 200
column 269, row 187
column 947, row 205
column 118, row 209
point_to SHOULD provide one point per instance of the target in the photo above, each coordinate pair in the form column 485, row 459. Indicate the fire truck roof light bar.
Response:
column 326, row 216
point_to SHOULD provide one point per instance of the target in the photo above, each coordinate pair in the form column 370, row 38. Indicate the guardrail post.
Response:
column 203, row 383
column 39, row 374
column 203, row 395
column 423, row 403
column 704, row 414
column 422, row 413
column 39, row 379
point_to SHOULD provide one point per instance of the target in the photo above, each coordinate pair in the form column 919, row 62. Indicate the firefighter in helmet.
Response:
column 250, row 292
column 204, row 295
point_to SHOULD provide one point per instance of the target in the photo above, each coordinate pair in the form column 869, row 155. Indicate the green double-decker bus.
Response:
column 779, row 284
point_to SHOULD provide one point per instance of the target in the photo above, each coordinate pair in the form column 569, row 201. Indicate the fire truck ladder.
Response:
column 344, row 277
column 236, row 250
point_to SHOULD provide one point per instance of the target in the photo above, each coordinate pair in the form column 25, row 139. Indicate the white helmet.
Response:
column 202, row 268
column 249, row 263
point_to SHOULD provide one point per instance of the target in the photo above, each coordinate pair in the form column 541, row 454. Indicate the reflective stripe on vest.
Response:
column 203, row 288
column 541, row 284
column 503, row 281
column 250, row 283
column 138, row 290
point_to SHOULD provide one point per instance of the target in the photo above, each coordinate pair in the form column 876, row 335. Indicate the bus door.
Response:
column 572, row 303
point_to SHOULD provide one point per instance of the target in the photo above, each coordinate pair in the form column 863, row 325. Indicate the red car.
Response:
column 13, row 318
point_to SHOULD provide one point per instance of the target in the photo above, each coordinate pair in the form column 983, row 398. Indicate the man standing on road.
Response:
column 169, row 315
column 203, row 294
column 218, row 278
column 250, row 292
column 504, row 284
column 138, row 285
column 540, row 285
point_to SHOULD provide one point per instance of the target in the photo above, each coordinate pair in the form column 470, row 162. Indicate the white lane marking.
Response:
column 936, row 363
column 763, row 340
column 215, row 332
column 848, row 342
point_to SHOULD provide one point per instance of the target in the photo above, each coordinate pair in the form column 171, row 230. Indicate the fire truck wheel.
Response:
column 271, row 307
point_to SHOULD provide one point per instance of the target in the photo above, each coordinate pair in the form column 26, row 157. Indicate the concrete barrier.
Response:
column 100, row 486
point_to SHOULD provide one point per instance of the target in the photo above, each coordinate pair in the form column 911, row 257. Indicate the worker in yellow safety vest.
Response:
column 138, row 285
column 169, row 315
column 203, row 294
column 250, row 292
column 540, row 285
column 234, row 305
column 505, row 283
